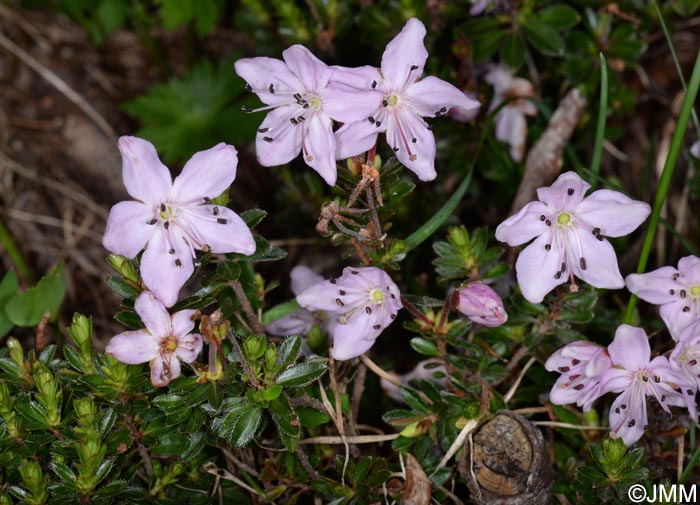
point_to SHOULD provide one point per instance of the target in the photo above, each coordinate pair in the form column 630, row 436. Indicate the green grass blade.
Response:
column 665, row 181
column 600, row 128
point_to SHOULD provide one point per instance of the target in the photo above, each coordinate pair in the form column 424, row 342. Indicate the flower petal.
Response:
column 599, row 259
column 133, row 347
column 321, row 296
column 207, row 174
column 355, row 337
column 145, row 177
column 414, row 144
column 536, row 269
column 159, row 269
column 261, row 73
column 182, row 322
column 630, row 348
column 511, row 127
column 347, row 104
column 188, row 347
column 366, row 77
column 164, row 368
column 404, row 52
column 557, row 195
column 312, row 72
column 614, row 213
column 689, row 267
column 629, row 423
column 320, row 147
column 223, row 232
column 296, row 323
column 154, row 316
column 303, row 278
column 676, row 318
column 656, row 286
column 430, row 95
column 615, row 380
column 523, row 226
column 355, row 138
column 127, row 230
column 285, row 142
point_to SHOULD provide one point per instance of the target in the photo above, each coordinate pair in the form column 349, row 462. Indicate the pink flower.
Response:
column 301, row 321
column 570, row 233
column 406, row 100
column 480, row 304
column 165, row 342
column 686, row 353
column 511, row 126
column 303, row 103
column 676, row 290
column 424, row 370
column 581, row 365
column 365, row 301
column 172, row 219
column 635, row 377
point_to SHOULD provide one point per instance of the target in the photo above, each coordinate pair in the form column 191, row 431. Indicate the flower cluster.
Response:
column 305, row 96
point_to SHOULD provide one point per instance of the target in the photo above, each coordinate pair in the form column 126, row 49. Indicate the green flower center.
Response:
column 563, row 218
column 168, row 344
column 695, row 290
column 376, row 295
column 391, row 100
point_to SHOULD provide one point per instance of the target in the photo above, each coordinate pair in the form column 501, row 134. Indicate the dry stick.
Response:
column 457, row 444
column 225, row 474
column 380, row 372
column 544, row 160
column 358, row 439
column 332, row 414
column 515, row 386
column 556, row 424
column 338, row 414
column 59, row 84
column 247, row 307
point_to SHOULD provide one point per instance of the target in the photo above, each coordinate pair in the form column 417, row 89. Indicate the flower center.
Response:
column 564, row 218
column 376, row 295
column 168, row 344
column 314, row 101
column 391, row 100
column 695, row 290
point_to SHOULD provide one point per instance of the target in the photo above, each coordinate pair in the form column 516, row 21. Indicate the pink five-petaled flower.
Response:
column 304, row 103
column 635, row 377
column 406, row 100
column 570, row 232
column 365, row 301
column 581, row 365
column 173, row 218
column 676, row 290
column 511, row 126
column 166, row 340
column 480, row 304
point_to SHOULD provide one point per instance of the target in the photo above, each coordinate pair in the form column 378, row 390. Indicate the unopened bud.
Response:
column 480, row 304
column 123, row 266
column 254, row 347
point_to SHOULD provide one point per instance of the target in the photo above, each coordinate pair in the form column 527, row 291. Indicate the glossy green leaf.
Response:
column 29, row 307
column 303, row 373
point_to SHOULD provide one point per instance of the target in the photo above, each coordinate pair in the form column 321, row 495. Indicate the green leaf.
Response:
column 312, row 418
column 244, row 426
column 484, row 45
column 288, row 351
column 129, row 319
column 252, row 217
column 544, row 38
column 28, row 308
column 513, row 51
column 63, row 471
column 168, row 402
column 287, row 422
column 229, row 270
column 266, row 252
column 122, row 288
column 8, row 287
column 171, row 444
column 559, row 17
column 302, row 374
column 424, row 346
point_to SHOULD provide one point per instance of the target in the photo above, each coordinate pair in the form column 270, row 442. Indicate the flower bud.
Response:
column 124, row 266
column 481, row 304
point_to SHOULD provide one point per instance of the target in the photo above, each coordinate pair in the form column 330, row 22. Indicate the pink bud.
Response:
column 481, row 304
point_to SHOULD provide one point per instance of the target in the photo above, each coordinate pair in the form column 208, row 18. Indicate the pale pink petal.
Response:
column 628, row 423
column 434, row 97
column 630, row 348
column 689, row 267
column 321, row 296
column 600, row 261
column 133, row 347
column 296, row 323
column 657, row 287
column 127, row 229
column 557, row 195
column 581, row 351
column 154, row 316
column 365, row 77
column 312, row 72
column 355, row 337
column 414, row 144
column 346, row 104
column 182, row 322
column 261, row 73
column 164, row 273
column 164, row 368
column 536, row 269
column 404, row 57
column 283, row 138
column 145, row 177
column 614, row 213
column 217, row 227
column 676, row 318
column 511, row 127
column 188, row 347
column 320, row 147
column 563, row 391
column 207, row 174
column 303, row 278
column 523, row 226
column 355, row 138
column 615, row 380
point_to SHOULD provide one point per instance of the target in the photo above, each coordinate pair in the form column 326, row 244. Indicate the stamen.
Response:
column 683, row 293
column 341, row 292
column 162, row 207
column 563, row 267
column 377, row 326
column 583, row 263
column 293, row 121
column 631, row 423
column 215, row 211
column 570, row 191
column 547, row 247
column 686, row 309
column 676, row 276
column 221, row 220
column 374, row 84
column 152, row 221
column 171, row 251
column 178, row 263
column 411, row 156
column 414, row 67
column 268, row 139
column 272, row 88
column 542, row 217
column 263, row 130
column 370, row 119
column 339, row 302
column 166, row 225
column 248, row 87
column 368, row 310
